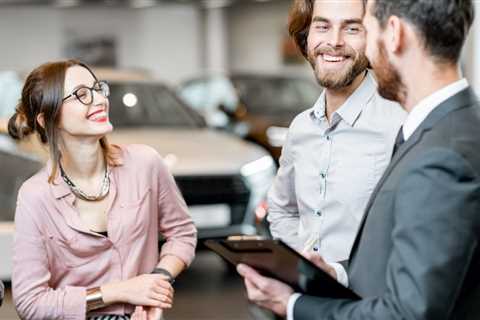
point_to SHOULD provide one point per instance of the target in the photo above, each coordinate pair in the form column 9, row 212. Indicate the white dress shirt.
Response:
column 428, row 104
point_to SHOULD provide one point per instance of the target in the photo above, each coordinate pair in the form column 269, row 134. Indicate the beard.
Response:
column 338, row 79
column 390, row 84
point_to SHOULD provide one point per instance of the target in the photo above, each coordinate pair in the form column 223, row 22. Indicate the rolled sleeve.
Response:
column 174, row 221
column 33, row 297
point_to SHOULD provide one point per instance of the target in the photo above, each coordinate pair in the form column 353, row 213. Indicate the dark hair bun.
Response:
column 18, row 127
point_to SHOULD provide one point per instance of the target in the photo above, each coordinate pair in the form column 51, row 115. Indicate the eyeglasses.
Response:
column 84, row 94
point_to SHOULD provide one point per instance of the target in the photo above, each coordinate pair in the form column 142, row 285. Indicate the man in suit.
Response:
column 417, row 253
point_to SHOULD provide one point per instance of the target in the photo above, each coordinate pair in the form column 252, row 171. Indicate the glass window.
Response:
column 146, row 104
column 264, row 95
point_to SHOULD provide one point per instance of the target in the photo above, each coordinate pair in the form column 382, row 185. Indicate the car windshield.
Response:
column 264, row 95
column 146, row 105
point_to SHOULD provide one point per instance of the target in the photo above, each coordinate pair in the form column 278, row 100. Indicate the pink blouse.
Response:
column 56, row 258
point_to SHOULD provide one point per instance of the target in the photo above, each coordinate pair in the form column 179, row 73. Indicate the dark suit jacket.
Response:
column 416, row 255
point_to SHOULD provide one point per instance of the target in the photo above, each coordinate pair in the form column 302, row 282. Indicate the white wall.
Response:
column 28, row 37
column 256, row 34
column 170, row 42
column 163, row 40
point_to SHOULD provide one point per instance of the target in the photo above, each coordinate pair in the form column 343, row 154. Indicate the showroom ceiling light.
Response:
column 66, row 3
column 215, row 4
column 140, row 4
column 130, row 100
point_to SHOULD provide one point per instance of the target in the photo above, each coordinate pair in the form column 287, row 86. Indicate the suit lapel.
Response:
column 462, row 99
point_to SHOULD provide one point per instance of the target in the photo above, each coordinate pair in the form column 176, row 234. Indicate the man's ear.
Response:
column 41, row 120
column 395, row 35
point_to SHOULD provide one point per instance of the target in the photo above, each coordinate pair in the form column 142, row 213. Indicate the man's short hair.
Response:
column 441, row 24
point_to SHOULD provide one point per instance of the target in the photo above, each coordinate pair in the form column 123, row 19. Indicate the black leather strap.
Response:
column 164, row 272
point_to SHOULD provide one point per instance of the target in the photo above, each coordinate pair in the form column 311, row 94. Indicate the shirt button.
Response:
column 318, row 213
column 322, row 175
column 328, row 138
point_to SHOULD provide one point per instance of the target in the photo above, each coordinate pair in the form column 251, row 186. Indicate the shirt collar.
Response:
column 353, row 106
column 428, row 104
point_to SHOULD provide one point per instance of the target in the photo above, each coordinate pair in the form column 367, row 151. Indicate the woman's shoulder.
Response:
column 36, row 187
column 140, row 154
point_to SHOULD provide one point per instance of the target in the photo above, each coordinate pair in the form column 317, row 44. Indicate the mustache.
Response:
column 333, row 52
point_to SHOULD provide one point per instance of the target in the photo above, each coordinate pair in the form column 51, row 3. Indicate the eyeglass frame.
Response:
column 91, row 89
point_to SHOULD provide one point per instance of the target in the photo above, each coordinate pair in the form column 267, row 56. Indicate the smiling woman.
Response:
column 87, row 224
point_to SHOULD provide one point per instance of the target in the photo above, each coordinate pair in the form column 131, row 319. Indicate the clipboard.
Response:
column 275, row 259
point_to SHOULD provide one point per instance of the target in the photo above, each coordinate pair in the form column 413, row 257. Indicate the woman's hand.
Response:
column 147, row 313
column 145, row 290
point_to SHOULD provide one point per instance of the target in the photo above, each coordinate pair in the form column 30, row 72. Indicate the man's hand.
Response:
column 317, row 260
column 265, row 292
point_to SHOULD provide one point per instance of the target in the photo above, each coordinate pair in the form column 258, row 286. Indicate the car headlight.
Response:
column 276, row 136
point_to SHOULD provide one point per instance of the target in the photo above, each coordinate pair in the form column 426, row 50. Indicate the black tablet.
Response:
column 275, row 259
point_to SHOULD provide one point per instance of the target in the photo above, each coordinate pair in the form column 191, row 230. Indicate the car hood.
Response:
column 193, row 151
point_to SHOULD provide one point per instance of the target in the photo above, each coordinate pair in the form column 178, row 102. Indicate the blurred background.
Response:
column 211, row 84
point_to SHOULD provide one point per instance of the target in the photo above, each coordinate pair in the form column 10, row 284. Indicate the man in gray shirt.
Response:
column 336, row 151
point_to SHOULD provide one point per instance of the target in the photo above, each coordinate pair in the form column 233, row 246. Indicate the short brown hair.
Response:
column 299, row 21
column 43, row 92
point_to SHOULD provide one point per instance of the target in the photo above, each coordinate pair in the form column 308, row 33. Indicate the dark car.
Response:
column 256, row 107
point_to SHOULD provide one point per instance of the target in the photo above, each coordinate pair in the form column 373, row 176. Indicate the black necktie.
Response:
column 398, row 141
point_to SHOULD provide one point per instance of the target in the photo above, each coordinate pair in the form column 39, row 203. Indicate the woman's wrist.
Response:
column 94, row 299
column 164, row 272
column 112, row 293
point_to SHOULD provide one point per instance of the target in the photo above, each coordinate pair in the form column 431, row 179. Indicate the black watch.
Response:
column 164, row 272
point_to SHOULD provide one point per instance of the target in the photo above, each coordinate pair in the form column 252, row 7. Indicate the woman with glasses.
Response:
column 87, row 224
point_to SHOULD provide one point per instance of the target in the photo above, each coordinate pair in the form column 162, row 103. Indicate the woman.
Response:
column 87, row 224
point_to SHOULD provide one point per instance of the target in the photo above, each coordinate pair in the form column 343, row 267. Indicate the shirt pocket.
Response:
column 135, row 215
column 76, row 251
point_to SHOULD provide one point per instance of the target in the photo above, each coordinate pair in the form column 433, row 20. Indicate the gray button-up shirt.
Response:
column 328, row 171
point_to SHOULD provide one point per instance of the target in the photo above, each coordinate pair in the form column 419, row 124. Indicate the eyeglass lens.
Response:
column 85, row 95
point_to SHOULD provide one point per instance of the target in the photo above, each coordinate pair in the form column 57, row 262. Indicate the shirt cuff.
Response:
column 342, row 276
column 291, row 304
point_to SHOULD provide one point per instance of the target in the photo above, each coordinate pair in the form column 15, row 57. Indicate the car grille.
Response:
column 229, row 189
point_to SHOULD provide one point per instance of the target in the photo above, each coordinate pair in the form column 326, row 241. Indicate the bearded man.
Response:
column 337, row 150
